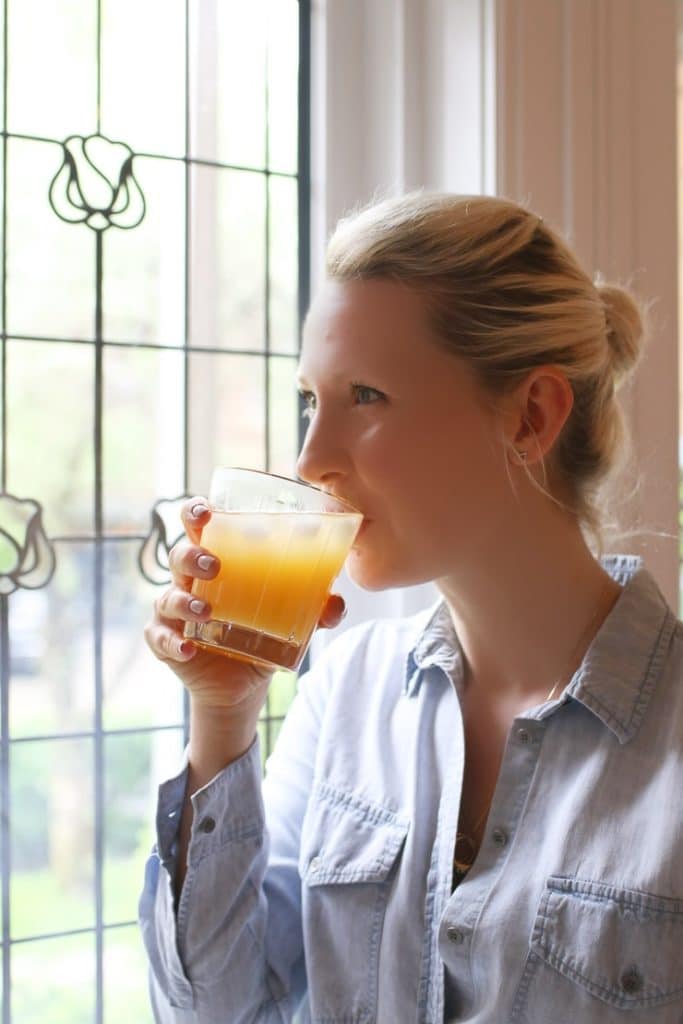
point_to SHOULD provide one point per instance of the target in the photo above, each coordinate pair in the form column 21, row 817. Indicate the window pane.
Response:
column 54, row 980
column 284, row 416
column 50, row 264
column 50, row 431
column 284, row 276
column 138, row 689
column 228, row 243
column 230, row 94
column 143, row 74
column 51, row 788
column 52, row 649
column 144, row 268
column 142, row 434
column 227, row 403
column 133, row 767
column 126, row 995
column 52, row 43
column 283, row 64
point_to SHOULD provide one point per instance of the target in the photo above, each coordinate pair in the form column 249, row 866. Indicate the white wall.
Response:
column 568, row 105
column 586, row 109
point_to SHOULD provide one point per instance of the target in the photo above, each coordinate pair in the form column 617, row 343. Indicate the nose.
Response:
column 323, row 458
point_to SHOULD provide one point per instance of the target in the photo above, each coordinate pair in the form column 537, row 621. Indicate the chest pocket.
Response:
column 616, row 955
column 350, row 850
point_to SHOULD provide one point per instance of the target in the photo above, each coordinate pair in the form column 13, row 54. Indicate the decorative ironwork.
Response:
column 95, row 184
column 165, row 529
column 27, row 558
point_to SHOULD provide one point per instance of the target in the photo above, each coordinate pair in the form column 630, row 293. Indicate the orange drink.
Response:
column 278, row 562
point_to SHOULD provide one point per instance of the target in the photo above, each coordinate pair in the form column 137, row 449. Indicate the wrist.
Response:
column 218, row 736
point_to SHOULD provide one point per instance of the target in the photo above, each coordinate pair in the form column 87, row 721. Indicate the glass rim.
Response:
column 288, row 479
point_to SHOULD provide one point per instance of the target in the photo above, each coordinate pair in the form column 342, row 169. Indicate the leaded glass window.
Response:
column 154, row 259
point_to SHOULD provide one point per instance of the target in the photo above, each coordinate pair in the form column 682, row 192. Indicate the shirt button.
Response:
column 631, row 980
column 207, row 825
column 455, row 935
column 499, row 837
column 524, row 736
column 314, row 864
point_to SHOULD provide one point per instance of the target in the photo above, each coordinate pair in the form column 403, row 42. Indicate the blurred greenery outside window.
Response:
column 142, row 344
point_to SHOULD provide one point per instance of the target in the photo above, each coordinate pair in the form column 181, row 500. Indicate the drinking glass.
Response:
column 281, row 544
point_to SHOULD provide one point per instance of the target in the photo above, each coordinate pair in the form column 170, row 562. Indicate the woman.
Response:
column 472, row 814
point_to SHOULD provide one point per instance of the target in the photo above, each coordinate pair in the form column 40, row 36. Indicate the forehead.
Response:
column 359, row 305
column 373, row 319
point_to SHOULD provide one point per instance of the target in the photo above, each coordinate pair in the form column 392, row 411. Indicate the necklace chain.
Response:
column 461, row 865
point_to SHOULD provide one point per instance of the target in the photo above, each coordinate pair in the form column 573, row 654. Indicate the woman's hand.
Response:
column 214, row 681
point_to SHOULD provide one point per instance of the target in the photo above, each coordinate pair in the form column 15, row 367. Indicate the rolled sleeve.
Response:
column 212, row 934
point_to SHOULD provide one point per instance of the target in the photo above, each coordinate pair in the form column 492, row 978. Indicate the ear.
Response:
column 540, row 407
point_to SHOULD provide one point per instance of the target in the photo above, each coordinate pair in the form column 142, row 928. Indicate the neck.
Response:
column 526, row 621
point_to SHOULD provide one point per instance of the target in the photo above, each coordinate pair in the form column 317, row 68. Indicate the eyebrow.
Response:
column 301, row 381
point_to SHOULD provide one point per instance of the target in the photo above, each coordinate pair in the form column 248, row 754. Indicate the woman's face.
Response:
column 400, row 429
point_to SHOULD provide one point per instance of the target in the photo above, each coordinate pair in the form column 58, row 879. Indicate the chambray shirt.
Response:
column 328, row 889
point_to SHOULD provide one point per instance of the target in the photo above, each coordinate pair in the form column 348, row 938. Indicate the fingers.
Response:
column 164, row 632
column 333, row 612
column 195, row 514
column 167, row 643
column 179, row 606
column 188, row 561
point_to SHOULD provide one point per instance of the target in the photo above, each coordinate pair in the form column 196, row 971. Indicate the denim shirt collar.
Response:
column 619, row 671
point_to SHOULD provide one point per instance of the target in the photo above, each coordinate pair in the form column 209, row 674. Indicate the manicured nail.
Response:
column 206, row 562
column 187, row 647
column 197, row 606
column 198, row 510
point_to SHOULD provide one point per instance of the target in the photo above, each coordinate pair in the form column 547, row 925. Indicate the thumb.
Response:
column 333, row 612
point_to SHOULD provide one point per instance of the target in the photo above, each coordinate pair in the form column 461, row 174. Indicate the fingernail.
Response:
column 187, row 647
column 197, row 606
column 206, row 562
column 198, row 510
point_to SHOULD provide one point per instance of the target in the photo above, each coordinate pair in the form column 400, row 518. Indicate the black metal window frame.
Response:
column 99, row 537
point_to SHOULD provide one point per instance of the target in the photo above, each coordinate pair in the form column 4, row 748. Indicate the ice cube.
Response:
column 253, row 530
column 307, row 526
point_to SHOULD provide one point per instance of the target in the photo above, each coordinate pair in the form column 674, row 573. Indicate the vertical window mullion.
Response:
column 187, row 326
column 98, row 781
column 5, row 815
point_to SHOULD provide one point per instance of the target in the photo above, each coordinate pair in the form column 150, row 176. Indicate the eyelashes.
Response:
column 362, row 393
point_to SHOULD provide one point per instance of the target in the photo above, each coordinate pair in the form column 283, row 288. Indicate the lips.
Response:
column 343, row 497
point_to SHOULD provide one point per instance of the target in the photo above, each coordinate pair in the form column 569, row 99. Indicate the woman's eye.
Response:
column 362, row 394
column 308, row 399
column 365, row 394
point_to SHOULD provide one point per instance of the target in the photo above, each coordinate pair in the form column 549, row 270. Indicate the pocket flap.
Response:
column 622, row 945
column 347, row 838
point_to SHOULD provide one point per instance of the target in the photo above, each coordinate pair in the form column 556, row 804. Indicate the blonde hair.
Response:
column 504, row 292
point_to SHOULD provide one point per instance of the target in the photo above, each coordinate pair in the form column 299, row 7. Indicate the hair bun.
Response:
column 624, row 328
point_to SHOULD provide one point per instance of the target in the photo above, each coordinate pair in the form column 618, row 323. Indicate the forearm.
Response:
column 217, row 739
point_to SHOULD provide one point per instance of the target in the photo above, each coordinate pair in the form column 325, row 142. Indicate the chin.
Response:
column 377, row 574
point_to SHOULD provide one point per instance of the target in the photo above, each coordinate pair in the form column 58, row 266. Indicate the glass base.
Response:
column 242, row 642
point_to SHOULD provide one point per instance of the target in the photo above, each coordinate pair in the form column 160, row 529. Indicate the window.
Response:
column 679, row 170
column 154, row 266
